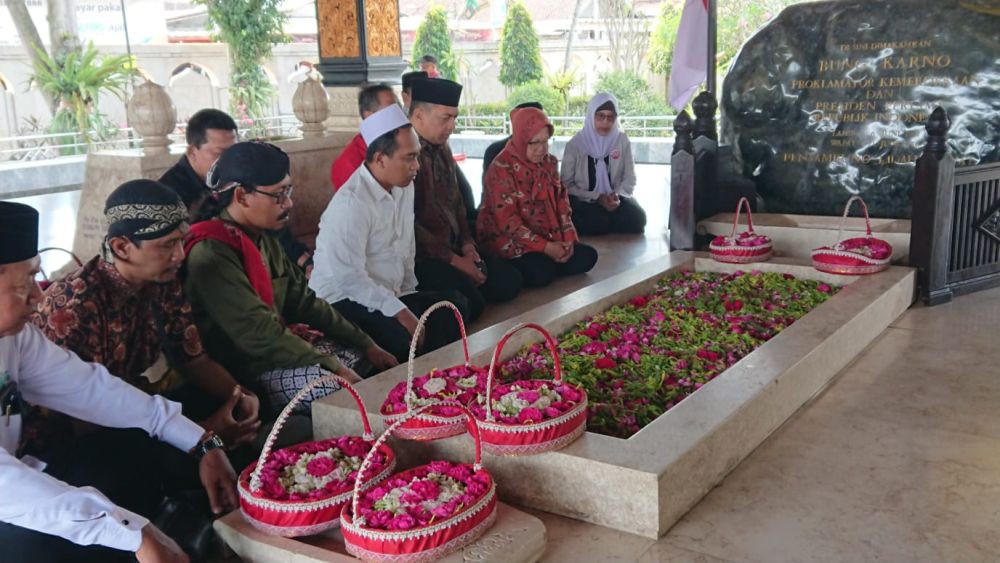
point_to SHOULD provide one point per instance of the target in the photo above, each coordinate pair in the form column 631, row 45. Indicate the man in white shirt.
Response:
column 65, row 513
column 365, row 250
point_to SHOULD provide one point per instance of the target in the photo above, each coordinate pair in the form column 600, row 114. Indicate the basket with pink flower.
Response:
column 424, row 513
column 744, row 247
column 854, row 256
column 300, row 490
column 530, row 416
column 461, row 384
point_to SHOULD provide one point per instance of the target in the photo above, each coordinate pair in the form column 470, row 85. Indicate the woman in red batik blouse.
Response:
column 525, row 214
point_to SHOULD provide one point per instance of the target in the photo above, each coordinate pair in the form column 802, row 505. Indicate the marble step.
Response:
column 517, row 537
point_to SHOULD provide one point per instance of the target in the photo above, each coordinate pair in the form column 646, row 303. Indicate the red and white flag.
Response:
column 687, row 71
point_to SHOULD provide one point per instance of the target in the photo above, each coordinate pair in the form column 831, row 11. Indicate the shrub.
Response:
column 537, row 92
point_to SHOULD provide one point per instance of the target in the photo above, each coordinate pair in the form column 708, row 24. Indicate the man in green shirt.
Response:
column 252, row 305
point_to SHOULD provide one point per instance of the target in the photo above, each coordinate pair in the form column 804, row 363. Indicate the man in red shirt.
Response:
column 370, row 100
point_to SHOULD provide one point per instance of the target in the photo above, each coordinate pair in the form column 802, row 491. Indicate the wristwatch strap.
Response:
column 208, row 444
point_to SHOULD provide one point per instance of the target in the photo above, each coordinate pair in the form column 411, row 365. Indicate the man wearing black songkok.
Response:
column 126, row 309
column 407, row 87
column 447, row 257
column 94, row 499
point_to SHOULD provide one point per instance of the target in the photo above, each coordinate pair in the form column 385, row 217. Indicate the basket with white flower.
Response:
column 300, row 490
column 742, row 248
column 461, row 384
column 424, row 513
column 856, row 255
column 530, row 416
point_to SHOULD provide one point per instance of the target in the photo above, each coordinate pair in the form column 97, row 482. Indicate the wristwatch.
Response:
column 213, row 441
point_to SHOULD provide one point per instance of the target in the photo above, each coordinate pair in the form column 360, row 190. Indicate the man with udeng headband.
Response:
column 126, row 310
column 447, row 257
column 89, row 501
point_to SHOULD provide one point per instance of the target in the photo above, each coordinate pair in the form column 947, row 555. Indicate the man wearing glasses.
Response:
column 253, row 306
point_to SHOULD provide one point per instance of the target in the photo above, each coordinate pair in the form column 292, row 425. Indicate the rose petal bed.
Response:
column 639, row 359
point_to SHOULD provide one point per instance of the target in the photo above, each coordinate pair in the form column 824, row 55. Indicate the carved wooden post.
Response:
column 933, row 210
column 681, row 221
column 706, row 148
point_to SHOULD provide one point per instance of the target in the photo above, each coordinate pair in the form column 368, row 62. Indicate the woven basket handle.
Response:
column 72, row 256
column 736, row 220
column 843, row 219
column 287, row 411
column 471, row 425
column 551, row 342
column 416, row 337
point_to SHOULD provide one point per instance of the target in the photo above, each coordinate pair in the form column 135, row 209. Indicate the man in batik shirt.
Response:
column 447, row 257
column 126, row 310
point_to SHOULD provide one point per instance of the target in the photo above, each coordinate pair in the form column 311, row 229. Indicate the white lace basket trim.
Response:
column 292, row 505
column 852, row 255
column 405, row 535
column 535, row 427
column 532, row 449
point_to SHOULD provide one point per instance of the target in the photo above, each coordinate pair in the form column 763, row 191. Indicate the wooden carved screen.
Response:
column 338, row 25
column 382, row 28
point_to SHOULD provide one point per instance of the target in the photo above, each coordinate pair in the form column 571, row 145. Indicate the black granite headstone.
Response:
column 830, row 99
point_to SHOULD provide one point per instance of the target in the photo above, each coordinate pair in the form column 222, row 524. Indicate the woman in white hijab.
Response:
column 599, row 173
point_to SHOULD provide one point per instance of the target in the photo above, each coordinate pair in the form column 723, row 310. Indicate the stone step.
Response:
column 517, row 537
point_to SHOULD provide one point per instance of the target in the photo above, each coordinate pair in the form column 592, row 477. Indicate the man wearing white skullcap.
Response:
column 365, row 251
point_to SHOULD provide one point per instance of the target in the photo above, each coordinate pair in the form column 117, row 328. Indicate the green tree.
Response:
column 75, row 82
column 635, row 97
column 563, row 82
column 251, row 28
column 433, row 38
column 661, row 43
column 737, row 21
column 520, row 55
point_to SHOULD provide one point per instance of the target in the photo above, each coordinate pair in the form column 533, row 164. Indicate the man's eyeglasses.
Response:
column 279, row 197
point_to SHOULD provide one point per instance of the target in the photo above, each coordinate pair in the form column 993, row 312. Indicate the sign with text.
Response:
column 99, row 21
column 830, row 99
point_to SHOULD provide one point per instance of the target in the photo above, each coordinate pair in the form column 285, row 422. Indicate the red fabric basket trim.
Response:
column 290, row 517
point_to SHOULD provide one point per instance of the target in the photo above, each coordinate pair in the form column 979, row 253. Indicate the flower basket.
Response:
column 300, row 490
column 424, row 513
column 741, row 248
column 854, row 256
column 461, row 384
column 531, row 416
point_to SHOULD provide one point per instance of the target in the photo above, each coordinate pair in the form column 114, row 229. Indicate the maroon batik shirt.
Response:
column 95, row 313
